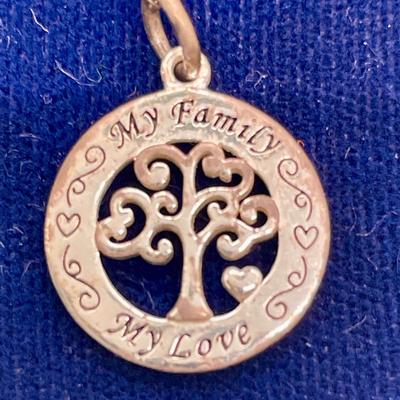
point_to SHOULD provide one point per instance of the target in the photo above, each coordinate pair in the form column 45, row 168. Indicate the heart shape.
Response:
column 306, row 237
column 241, row 282
column 68, row 224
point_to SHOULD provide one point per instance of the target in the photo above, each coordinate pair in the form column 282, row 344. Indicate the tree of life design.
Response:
column 232, row 217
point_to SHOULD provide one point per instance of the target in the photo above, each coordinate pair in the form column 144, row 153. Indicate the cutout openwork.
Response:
column 232, row 219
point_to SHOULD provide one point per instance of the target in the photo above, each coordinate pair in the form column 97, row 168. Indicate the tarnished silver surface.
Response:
column 143, row 133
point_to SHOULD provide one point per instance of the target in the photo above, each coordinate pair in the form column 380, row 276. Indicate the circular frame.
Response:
column 264, row 317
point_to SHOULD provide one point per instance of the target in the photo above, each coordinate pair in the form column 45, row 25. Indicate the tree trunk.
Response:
column 191, row 304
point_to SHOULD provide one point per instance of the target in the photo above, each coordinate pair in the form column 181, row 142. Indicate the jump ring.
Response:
column 184, row 31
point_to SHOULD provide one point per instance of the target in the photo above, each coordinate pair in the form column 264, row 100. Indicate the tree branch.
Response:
column 239, row 220
column 247, row 235
column 237, row 215
column 115, row 226
column 153, row 173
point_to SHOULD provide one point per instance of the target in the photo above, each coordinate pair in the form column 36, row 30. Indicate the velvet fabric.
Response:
column 327, row 69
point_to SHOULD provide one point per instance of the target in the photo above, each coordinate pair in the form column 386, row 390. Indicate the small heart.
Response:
column 241, row 282
column 306, row 237
column 68, row 224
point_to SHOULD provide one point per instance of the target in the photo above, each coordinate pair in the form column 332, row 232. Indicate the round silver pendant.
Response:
column 228, row 138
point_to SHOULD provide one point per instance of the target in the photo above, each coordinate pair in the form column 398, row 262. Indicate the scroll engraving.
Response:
column 276, row 307
column 230, row 210
column 68, row 224
column 95, row 156
column 89, row 299
column 287, row 169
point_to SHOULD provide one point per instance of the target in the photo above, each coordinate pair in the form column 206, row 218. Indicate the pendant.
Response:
column 195, row 130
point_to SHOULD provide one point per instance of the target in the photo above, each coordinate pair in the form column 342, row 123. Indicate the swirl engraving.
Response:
column 95, row 156
column 89, row 299
column 288, row 168
column 276, row 308
column 232, row 218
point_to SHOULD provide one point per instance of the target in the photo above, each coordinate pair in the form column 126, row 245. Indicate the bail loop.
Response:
column 168, row 71
column 183, row 28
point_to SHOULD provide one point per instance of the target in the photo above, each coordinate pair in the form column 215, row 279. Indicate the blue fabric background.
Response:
column 328, row 69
